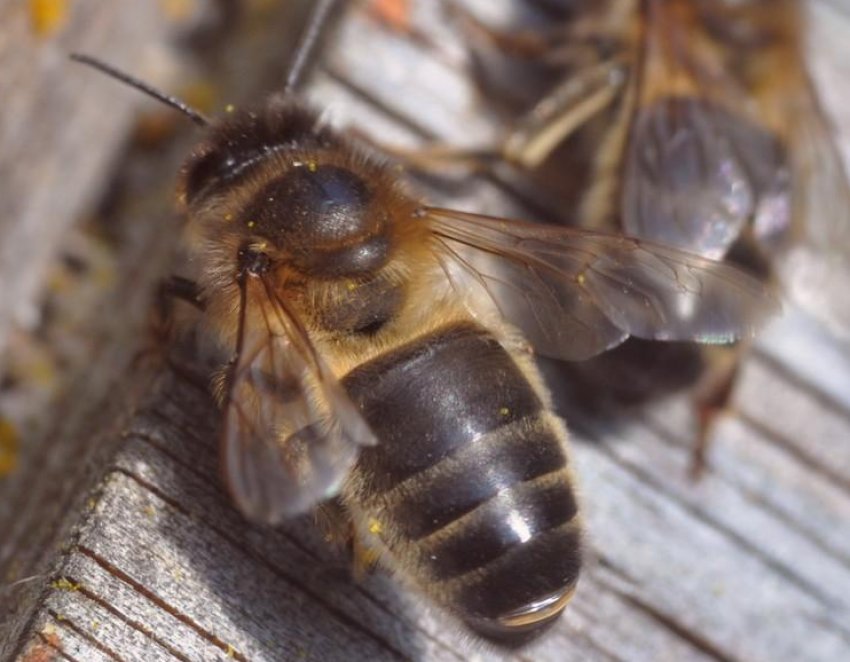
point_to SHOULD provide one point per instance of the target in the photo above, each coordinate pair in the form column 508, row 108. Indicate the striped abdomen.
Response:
column 469, row 481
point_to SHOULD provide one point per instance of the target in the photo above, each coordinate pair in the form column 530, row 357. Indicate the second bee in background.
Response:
column 692, row 123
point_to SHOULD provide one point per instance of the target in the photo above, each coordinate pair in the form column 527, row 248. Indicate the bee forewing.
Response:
column 818, row 267
column 291, row 434
column 575, row 293
column 697, row 167
column 687, row 179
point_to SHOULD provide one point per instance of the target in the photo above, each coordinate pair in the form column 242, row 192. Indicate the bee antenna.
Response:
column 308, row 44
column 168, row 100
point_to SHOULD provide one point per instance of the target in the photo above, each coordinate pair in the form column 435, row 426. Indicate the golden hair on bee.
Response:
column 379, row 356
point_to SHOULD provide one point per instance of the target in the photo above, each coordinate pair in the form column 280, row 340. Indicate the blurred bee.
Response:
column 692, row 123
column 380, row 355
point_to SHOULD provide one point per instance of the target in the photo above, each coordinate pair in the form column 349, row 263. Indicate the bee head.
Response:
column 242, row 143
column 277, row 175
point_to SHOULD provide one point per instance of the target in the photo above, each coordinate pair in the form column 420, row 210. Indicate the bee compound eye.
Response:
column 322, row 207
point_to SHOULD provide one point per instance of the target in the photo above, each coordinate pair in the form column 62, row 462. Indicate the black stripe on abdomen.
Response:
column 511, row 519
column 470, row 474
column 547, row 564
column 428, row 399
column 508, row 455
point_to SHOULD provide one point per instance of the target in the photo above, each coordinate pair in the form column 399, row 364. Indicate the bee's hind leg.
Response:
column 712, row 399
column 533, row 138
column 356, row 532
column 162, row 327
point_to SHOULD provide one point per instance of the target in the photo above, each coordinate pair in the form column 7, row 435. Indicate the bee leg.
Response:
column 561, row 112
column 340, row 530
column 169, row 290
column 367, row 547
column 162, row 316
column 162, row 325
column 712, row 398
column 335, row 524
column 366, row 557
column 530, row 44
column 435, row 157
column 598, row 76
column 536, row 135
column 178, row 287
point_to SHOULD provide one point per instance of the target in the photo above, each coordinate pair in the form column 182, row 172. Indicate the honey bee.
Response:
column 380, row 355
column 692, row 123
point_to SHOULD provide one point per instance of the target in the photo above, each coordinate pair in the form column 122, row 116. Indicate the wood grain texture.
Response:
column 751, row 563
column 44, row 184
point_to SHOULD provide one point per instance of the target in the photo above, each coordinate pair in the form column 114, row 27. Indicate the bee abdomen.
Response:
column 470, row 476
column 511, row 565
column 509, row 558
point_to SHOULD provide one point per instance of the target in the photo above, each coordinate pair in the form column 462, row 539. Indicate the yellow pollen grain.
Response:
column 375, row 527
column 228, row 217
column 312, row 166
column 351, row 286
column 250, row 224
column 581, row 279
column 504, row 412
column 229, row 108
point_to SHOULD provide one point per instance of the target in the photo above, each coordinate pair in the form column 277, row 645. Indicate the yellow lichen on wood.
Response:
column 65, row 584
column 47, row 16
column 9, row 444
column 179, row 11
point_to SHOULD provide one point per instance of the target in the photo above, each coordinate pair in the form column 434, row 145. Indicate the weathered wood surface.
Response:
column 752, row 563
column 44, row 182
column 73, row 376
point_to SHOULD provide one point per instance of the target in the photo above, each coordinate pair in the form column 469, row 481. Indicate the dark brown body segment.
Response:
column 470, row 478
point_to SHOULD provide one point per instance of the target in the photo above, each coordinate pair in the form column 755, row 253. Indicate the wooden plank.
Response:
column 41, row 192
column 83, row 366
column 752, row 563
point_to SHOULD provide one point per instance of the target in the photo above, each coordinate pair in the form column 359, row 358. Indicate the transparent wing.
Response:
column 817, row 268
column 696, row 174
column 824, row 191
column 698, row 168
column 575, row 293
column 291, row 434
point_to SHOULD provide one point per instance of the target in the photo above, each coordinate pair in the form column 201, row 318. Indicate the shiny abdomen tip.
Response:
column 525, row 624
